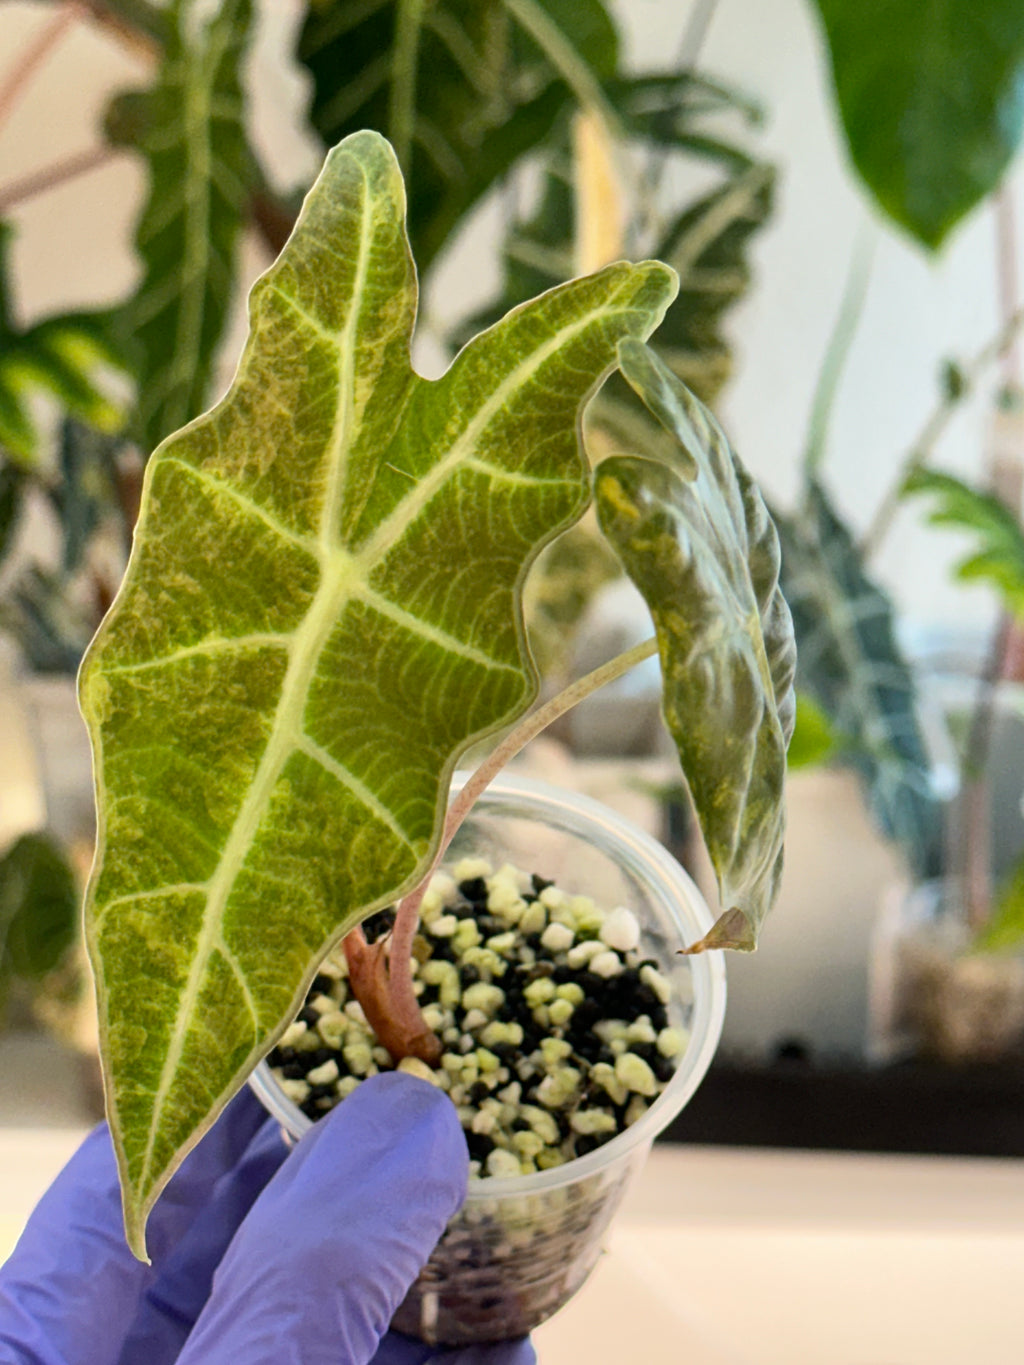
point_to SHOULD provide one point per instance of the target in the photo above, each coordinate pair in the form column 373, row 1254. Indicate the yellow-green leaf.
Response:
column 322, row 610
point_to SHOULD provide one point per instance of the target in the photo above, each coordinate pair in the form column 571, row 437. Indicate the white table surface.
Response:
column 740, row 1257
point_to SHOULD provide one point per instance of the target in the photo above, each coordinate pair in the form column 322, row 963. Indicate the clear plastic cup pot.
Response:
column 521, row 1246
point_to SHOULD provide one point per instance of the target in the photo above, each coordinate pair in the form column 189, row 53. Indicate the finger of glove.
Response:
column 176, row 1296
column 191, row 1188
column 71, row 1287
column 399, row 1350
column 331, row 1246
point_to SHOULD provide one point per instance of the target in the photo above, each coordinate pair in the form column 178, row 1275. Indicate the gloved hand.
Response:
column 257, row 1259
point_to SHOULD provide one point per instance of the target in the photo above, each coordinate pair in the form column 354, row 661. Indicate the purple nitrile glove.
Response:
column 256, row 1259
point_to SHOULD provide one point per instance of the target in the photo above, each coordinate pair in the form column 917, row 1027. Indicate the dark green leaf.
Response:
column 461, row 88
column 931, row 96
column 707, row 248
column 39, row 908
column 12, row 481
column 275, row 727
column 697, row 540
column 850, row 664
column 189, row 127
column 814, row 738
column 63, row 357
column 706, row 245
column 999, row 556
column 50, row 625
column 86, row 490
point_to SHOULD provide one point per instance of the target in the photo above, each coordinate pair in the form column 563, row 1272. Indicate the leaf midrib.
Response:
column 343, row 577
column 337, row 576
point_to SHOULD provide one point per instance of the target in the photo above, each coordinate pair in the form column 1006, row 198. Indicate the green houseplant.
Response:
column 471, row 101
column 287, row 715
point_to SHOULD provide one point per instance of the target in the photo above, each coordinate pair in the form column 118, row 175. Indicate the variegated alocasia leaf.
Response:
column 697, row 540
column 321, row 612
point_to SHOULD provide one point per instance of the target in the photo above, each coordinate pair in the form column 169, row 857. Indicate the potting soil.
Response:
column 556, row 1028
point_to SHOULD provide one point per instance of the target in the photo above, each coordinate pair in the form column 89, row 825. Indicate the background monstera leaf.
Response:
column 697, row 540
column 321, row 612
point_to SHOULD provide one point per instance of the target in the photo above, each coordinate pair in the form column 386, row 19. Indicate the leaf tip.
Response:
column 733, row 929
column 136, row 1216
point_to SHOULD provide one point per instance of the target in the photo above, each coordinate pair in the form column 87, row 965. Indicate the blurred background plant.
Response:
column 535, row 105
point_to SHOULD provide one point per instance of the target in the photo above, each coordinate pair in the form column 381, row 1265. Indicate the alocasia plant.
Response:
column 323, row 610
column 319, row 616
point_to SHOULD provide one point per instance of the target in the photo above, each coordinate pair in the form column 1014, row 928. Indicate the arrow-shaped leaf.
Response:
column 321, row 612
column 851, row 664
column 698, row 542
column 999, row 555
column 189, row 127
column 464, row 90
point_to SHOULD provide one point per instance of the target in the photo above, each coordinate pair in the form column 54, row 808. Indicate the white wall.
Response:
column 74, row 248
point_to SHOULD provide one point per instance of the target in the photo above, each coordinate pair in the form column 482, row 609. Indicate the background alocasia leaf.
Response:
column 321, row 611
column 851, row 664
column 931, row 96
column 189, row 128
column 998, row 558
column 52, row 610
column 462, row 89
column 697, row 540
column 707, row 247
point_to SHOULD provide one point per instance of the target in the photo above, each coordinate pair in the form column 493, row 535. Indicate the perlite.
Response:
column 556, row 1029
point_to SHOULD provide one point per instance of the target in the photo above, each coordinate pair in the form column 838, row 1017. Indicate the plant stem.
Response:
column 551, row 40
column 921, row 450
column 380, row 974
column 851, row 308
column 976, row 835
column 43, row 43
column 531, row 726
column 140, row 27
column 404, row 71
column 52, row 176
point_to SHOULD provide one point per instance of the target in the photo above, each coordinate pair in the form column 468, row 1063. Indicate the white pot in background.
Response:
column 808, row 982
